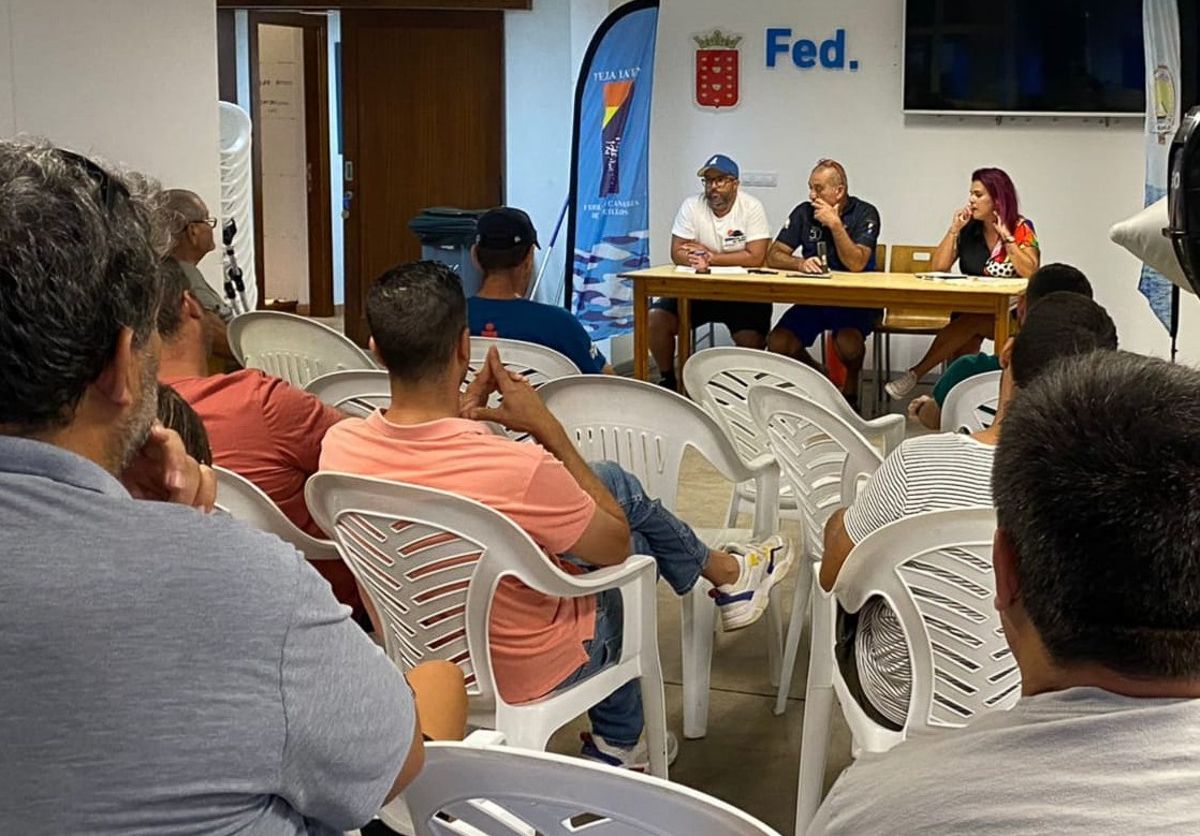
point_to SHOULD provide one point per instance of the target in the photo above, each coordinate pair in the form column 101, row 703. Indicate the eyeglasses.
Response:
column 210, row 222
column 107, row 187
column 719, row 182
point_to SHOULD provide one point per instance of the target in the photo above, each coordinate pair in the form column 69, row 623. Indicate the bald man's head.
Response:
column 191, row 227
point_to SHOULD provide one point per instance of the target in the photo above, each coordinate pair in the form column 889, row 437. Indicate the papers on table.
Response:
column 715, row 271
column 942, row 276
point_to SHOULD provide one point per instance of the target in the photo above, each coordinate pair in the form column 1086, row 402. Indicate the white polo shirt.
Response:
column 745, row 221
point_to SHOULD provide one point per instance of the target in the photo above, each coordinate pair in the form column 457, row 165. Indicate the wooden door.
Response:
column 423, row 120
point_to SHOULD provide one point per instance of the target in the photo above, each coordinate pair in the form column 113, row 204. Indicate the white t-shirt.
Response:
column 927, row 473
column 1079, row 761
column 745, row 221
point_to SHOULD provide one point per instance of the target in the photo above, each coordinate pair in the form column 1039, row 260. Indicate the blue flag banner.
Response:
column 1160, row 33
column 608, row 230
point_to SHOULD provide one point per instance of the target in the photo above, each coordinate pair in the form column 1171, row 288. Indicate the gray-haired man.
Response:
column 164, row 671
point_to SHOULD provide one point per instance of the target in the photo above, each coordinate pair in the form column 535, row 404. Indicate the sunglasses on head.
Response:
column 106, row 186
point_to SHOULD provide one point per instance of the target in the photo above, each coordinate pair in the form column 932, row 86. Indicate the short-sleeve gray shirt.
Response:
column 169, row 672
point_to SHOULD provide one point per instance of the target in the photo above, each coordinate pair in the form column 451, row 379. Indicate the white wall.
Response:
column 122, row 81
column 1075, row 177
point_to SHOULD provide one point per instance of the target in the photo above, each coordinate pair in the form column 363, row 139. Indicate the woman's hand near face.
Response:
column 1001, row 229
column 960, row 218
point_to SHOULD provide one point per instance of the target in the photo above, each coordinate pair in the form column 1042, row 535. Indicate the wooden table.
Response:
column 851, row 290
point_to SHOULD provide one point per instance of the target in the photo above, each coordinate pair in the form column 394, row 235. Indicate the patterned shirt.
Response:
column 975, row 258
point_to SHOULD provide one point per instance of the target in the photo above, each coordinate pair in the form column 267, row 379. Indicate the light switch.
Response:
column 760, row 179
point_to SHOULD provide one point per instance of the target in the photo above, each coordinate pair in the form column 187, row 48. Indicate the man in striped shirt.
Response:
column 937, row 472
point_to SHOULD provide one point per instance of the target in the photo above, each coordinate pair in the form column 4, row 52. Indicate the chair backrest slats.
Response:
column 293, row 347
column 972, row 403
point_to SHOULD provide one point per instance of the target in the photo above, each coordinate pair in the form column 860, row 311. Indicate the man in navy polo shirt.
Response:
column 849, row 228
column 504, row 243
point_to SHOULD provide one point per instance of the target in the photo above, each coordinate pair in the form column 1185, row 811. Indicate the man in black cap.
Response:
column 504, row 244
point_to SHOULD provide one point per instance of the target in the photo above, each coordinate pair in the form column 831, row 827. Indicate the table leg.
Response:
column 1001, row 325
column 641, row 330
column 684, row 313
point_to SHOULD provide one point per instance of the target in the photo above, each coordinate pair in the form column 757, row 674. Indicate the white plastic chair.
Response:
column 430, row 562
column 537, row 362
column 475, row 788
column 823, row 459
column 244, row 500
column 719, row 379
column 972, row 403
column 358, row 392
column 292, row 347
column 647, row 429
column 935, row 571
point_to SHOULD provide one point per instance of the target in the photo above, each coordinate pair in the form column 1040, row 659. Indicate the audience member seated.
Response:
column 165, row 670
column 1050, row 278
column 260, row 427
column 432, row 435
column 177, row 414
column 935, row 472
column 1098, row 589
column 191, row 240
column 721, row 227
column 503, row 250
column 848, row 228
column 987, row 237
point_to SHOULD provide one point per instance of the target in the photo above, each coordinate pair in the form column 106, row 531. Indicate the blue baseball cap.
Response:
column 722, row 164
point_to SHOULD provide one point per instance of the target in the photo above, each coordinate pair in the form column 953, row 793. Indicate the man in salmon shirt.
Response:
column 259, row 426
column 435, row 437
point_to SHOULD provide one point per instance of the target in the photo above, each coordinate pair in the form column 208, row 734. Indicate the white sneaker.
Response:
column 635, row 757
column 763, row 565
column 902, row 386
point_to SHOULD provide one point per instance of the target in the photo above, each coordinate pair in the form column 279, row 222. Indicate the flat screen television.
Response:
column 1081, row 57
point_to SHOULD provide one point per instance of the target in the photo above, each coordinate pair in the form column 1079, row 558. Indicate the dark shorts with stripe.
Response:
column 808, row 322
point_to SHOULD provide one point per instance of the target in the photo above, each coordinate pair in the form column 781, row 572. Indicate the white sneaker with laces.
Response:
column 902, row 386
column 635, row 757
column 762, row 565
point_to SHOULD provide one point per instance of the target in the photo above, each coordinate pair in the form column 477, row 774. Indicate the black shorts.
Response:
column 736, row 316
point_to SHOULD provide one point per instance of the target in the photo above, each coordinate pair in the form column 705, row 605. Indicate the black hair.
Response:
column 79, row 253
column 1056, row 278
column 1097, row 485
column 174, row 284
column 504, row 259
column 177, row 414
column 417, row 313
column 1060, row 325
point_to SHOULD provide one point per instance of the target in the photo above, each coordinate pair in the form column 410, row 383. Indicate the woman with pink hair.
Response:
column 987, row 237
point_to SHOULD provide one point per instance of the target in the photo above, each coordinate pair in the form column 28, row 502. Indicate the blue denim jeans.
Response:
column 680, row 556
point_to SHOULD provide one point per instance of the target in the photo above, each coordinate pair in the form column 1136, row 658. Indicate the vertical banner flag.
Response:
column 1160, row 32
column 608, row 227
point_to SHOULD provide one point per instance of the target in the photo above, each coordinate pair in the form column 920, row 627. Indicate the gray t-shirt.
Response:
column 1080, row 761
column 204, row 293
column 168, row 672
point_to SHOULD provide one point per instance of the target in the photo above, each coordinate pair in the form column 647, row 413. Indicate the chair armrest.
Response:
column 890, row 428
column 565, row 585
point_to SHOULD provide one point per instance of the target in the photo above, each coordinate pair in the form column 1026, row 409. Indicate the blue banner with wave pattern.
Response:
column 608, row 230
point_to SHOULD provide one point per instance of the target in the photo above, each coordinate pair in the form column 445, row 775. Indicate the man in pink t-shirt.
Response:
column 259, row 426
column 433, row 436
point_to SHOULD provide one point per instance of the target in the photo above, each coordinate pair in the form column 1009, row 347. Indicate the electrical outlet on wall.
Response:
column 760, row 179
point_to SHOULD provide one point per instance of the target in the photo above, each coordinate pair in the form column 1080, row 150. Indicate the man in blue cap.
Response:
column 504, row 243
column 720, row 227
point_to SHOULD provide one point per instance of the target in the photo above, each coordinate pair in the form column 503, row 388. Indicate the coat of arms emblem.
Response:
column 717, row 69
